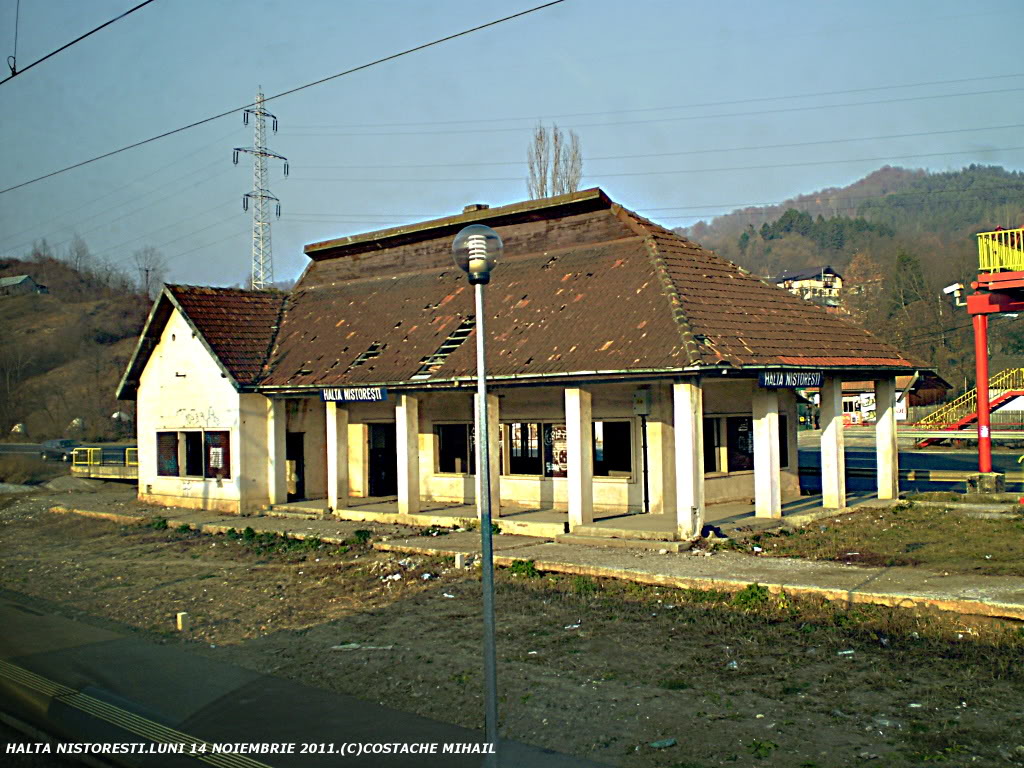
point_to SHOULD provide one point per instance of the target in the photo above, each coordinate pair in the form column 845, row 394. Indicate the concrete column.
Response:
column 493, row 451
column 833, row 459
column 886, row 450
column 688, row 414
column 790, row 462
column 277, row 422
column 337, row 456
column 579, row 433
column 407, row 418
column 767, row 481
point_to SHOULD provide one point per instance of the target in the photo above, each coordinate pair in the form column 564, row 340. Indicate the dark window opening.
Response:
column 522, row 446
column 783, row 441
column 613, row 449
column 456, row 448
column 193, row 454
column 167, row 454
column 711, row 445
column 739, row 440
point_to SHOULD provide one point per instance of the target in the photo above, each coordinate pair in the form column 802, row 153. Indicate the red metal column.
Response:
column 981, row 374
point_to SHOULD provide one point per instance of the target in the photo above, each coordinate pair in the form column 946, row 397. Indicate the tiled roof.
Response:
column 594, row 289
column 597, row 307
column 584, row 287
column 238, row 325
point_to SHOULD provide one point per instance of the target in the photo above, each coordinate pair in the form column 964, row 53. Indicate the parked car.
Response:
column 58, row 450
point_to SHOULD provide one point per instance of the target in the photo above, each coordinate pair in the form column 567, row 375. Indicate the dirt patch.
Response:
column 602, row 669
column 941, row 540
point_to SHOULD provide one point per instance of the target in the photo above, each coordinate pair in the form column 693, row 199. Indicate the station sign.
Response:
column 354, row 394
column 789, row 379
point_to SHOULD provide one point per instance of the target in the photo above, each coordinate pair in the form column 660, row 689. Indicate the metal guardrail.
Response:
column 1002, row 249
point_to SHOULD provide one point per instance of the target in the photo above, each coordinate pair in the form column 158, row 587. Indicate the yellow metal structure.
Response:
column 89, row 462
column 1002, row 250
column 956, row 411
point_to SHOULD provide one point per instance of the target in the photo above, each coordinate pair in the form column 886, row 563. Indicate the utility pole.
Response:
column 262, row 261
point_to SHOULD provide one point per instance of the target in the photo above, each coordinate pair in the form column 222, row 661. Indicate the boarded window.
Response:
column 613, row 449
column 193, row 453
column 167, row 454
column 455, row 448
column 218, row 454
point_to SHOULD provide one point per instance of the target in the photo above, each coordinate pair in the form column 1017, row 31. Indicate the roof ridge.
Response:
column 679, row 318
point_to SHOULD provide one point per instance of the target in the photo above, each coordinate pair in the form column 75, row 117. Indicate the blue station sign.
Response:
column 789, row 379
column 354, row 394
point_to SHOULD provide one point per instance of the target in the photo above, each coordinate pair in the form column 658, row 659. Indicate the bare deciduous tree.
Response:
column 555, row 164
column 152, row 270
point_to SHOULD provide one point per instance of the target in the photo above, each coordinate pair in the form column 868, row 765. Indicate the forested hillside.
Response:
column 64, row 352
column 898, row 237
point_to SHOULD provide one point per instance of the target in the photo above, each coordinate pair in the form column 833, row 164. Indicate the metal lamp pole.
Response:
column 475, row 250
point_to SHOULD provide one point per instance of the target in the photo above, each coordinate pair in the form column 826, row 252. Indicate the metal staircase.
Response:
column 963, row 411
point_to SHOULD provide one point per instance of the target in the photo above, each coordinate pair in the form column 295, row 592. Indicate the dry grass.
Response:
column 944, row 540
column 29, row 470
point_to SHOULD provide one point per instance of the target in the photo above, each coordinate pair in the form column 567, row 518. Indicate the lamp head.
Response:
column 476, row 250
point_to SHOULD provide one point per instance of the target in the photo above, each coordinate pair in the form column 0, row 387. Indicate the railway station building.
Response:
column 630, row 371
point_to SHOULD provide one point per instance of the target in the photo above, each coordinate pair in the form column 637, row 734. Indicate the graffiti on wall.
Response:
column 195, row 417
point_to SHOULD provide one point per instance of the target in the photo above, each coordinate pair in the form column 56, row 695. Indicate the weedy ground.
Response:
column 621, row 673
column 936, row 539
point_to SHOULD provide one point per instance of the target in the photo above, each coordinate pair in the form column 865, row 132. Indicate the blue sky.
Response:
column 680, row 108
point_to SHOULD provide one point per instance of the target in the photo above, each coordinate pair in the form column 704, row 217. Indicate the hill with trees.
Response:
column 63, row 352
column 898, row 237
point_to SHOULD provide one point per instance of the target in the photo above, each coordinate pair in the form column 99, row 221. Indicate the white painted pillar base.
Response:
column 407, row 436
column 833, row 456
column 886, row 449
column 580, row 447
column 767, row 479
column 337, row 456
column 493, row 450
column 277, row 479
column 688, row 426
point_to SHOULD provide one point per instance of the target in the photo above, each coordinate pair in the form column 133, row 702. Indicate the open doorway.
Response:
column 383, row 468
column 295, row 465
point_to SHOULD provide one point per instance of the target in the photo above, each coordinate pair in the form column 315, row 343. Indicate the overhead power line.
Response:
column 732, row 102
column 12, row 61
column 667, row 173
column 210, row 119
column 519, row 163
column 684, row 118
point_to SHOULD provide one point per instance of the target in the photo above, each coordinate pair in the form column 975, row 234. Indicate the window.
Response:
column 456, row 448
column 712, row 443
column 522, row 446
column 783, row 441
column 167, row 454
column 193, row 454
column 556, row 451
column 739, row 443
column 201, row 453
column 613, row 449
column 217, row 454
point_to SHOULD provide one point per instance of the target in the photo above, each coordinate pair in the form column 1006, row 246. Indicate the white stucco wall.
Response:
column 183, row 388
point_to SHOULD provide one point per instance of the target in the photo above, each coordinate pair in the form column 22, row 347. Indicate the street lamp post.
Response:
column 475, row 250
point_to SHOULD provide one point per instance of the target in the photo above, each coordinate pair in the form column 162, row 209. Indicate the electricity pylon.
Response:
column 262, row 260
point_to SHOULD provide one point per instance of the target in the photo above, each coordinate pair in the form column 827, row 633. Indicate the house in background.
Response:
column 20, row 285
column 822, row 285
column 629, row 372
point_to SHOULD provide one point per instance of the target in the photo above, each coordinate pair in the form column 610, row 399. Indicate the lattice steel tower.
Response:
column 262, row 260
